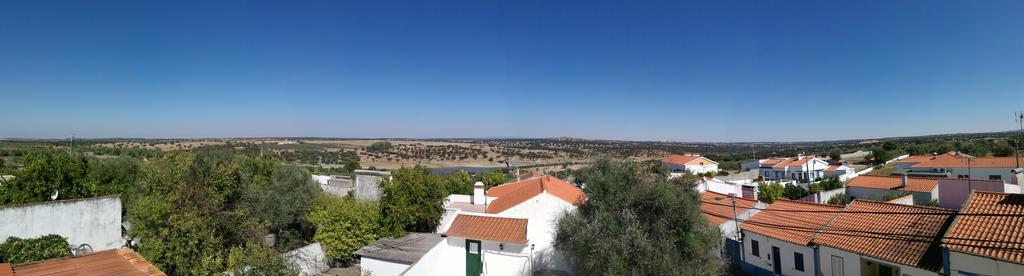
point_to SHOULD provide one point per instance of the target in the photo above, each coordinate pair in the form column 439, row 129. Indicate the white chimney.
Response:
column 903, row 182
column 478, row 194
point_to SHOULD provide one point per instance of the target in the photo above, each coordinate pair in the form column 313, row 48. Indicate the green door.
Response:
column 474, row 266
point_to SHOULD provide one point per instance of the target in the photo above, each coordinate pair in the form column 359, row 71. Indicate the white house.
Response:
column 678, row 163
column 875, row 187
column 794, row 168
column 842, row 171
column 393, row 256
column 777, row 241
column 875, row 250
column 744, row 189
column 964, row 243
column 962, row 166
column 507, row 230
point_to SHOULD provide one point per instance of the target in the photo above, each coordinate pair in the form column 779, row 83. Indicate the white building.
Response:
column 962, row 166
column 779, row 242
column 874, row 187
column 795, row 168
column 744, row 189
column 507, row 230
column 963, row 245
column 877, row 250
column 393, row 256
column 678, row 163
column 843, row 172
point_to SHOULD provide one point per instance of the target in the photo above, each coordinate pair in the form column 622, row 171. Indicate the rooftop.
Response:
column 717, row 207
column 682, row 159
column 511, row 194
column 794, row 227
column 121, row 261
column 1002, row 235
column 502, row 229
column 893, row 183
column 407, row 249
column 875, row 233
column 963, row 161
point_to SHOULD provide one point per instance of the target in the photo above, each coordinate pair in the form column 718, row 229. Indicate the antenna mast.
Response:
column 1019, row 117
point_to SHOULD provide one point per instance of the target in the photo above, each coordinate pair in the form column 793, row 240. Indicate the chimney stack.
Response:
column 903, row 182
column 478, row 194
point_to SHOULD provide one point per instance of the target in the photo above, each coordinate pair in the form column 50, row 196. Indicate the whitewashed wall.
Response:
column 375, row 267
column 786, row 250
column 963, row 262
column 310, row 259
column 93, row 221
column 543, row 212
column 851, row 263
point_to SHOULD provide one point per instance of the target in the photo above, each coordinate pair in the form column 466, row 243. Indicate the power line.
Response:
column 888, row 236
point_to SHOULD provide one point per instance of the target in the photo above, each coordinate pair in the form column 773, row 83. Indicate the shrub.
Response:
column 839, row 199
column 17, row 250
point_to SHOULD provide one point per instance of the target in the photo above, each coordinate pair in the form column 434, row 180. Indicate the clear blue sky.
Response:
column 635, row 70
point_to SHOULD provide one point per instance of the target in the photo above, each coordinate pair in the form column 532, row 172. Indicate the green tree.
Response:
column 460, row 183
column 657, row 225
column 769, row 192
column 279, row 197
column 411, row 200
column 180, row 212
column 794, row 192
column 257, row 259
column 44, row 172
column 352, row 165
column 345, row 225
column 381, row 146
column 492, row 178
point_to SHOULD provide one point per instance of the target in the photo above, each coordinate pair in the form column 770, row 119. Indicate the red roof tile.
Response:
column 512, row 194
column 122, row 261
column 794, row 227
column 832, row 168
column 978, row 162
column 718, row 211
column 893, row 183
column 489, row 228
column 872, row 234
column 1002, row 235
column 683, row 159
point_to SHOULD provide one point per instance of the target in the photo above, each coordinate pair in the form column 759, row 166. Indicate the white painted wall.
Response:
column 310, row 259
column 852, row 261
column 721, row 187
column 697, row 168
column 93, row 221
column 379, row 267
column 959, row 261
column 449, row 258
column 786, row 250
column 543, row 212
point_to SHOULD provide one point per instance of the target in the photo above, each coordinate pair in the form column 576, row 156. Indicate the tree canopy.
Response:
column 655, row 225
column 411, row 200
column 47, row 172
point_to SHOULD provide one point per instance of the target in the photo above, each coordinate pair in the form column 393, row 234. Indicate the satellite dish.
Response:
column 54, row 196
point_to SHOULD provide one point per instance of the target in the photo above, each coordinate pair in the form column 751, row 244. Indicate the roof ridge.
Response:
column 902, row 205
column 806, row 202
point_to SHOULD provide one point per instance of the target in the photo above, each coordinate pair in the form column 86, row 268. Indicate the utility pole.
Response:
column 736, row 223
column 1019, row 117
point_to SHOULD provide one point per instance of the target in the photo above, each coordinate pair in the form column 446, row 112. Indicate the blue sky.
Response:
column 634, row 70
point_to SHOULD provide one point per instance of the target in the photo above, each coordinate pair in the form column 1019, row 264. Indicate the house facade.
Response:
column 694, row 163
column 506, row 230
column 873, row 187
column 885, row 249
column 962, row 166
column 987, row 245
column 809, row 168
column 776, row 241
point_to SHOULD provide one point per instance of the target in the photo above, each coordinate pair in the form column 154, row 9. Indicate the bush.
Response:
column 891, row 196
column 794, row 192
column 839, row 199
column 345, row 225
column 16, row 250
column 379, row 146
column 769, row 192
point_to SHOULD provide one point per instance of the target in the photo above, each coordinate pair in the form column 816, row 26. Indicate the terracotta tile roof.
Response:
column 916, row 158
column 773, row 223
column 716, row 210
column 488, row 228
column 512, row 194
column 1003, row 232
column 683, row 159
column 772, row 162
column 832, row 168
column 876, row 231
column 979, row 162
column 784, row 163
column 893, row 183
column 528, row 175
column 122, row 261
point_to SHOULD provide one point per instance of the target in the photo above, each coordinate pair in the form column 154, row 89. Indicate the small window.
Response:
column 799, row 261
column 995, row 177
column 474, row 248
column 837, row 266
column 755, row 248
